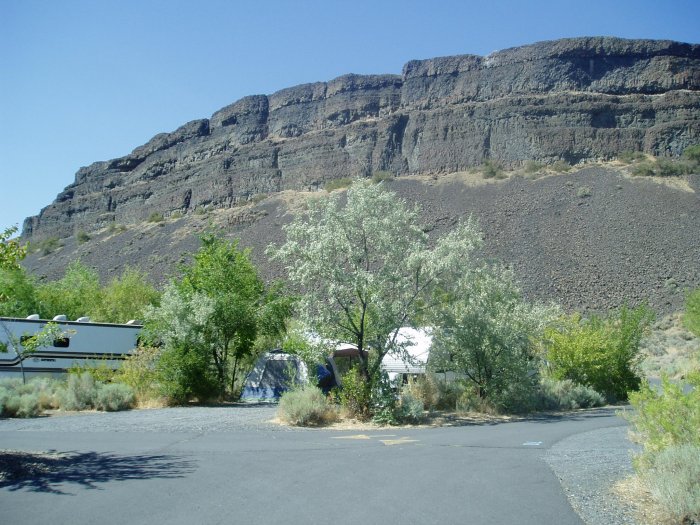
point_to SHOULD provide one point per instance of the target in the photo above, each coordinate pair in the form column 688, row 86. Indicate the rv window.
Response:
column 61, row 342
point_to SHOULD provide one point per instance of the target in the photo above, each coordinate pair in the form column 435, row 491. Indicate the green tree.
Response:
column 11, row 251
column 17, row 293
column 78, row 293
column 602, row 353
column 365, row 269
column 223, row 307
column 126, row 298
column 488, row 334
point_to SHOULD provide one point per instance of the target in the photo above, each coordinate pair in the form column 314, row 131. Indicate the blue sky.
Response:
column 83, row 81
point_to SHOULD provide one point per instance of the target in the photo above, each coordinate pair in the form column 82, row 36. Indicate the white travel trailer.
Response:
column 83, row 343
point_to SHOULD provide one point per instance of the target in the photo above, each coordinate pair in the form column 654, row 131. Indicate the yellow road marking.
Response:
column 400, row 441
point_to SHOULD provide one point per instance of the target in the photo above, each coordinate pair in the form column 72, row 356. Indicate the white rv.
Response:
column 83, row 343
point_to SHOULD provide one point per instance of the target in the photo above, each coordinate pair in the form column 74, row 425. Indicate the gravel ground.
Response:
column 588, row 465
column 183, row 419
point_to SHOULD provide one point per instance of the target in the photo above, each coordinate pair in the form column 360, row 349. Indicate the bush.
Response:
column 114, row 396
column 628, row 157
column 692, row 153
column 27, row 400
column 356, row 394
column 583, row 192
column 382, row 176
column 337, row 184
column 491, row 170
column 304, row 406
column 409, row 409
column 674, row 482
column 184, row 374
column 561, row 166
column 448, row 392
column 139, row 372
column 532, row 166
column 156, row 217
column 644, row 169
column 601, row 353
column 691, row 317
column 665, row 417
column 82, row 237
column 424, row 389
column 79, row 393
column 50, row 245
column 567, row 395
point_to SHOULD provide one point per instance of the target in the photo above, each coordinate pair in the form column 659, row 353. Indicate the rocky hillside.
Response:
column 591, row 238
column 574, row 100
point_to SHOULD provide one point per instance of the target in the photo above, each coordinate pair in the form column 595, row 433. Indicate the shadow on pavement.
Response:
column 49, row 472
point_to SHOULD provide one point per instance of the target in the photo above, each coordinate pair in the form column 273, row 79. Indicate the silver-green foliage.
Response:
column 364, row 268
column 487, row 333
column 112, row 397
column 567, row 395
column 79, row 393
column 674, row 482
column 304, row 406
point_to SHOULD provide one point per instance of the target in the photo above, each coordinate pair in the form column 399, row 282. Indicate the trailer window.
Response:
column 61, row 342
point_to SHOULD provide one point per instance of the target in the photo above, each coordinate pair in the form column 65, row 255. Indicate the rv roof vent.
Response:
column 134, row 321
column 33, row 317
column 82, row 320
column 60, row 318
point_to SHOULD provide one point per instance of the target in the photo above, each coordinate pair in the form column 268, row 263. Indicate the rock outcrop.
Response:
column 574, row 100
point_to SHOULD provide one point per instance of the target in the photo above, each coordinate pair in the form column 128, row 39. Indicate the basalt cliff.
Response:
column 576, row 100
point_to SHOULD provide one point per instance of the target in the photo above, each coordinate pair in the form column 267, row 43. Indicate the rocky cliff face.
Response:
column 574, row 99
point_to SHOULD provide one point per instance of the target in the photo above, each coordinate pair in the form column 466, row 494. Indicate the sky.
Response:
column 83, row 81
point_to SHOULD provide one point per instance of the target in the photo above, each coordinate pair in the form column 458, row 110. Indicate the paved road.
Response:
column 225, row 465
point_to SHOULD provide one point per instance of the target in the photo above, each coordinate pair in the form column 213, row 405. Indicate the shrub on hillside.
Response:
column 491, row 170
column 305, row 406
column 337, row 184
column 691, row 316
column 424, row 389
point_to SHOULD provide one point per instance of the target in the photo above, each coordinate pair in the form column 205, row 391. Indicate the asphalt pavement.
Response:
column 232, row 465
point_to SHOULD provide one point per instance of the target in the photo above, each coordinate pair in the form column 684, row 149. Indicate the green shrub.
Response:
column 674, row 482
column 139, row 372
column 50, row 245
column 491, row 170
column 382, row 176
column 448, row 392
column 671, row 168
column 409, row 409
column 113, row 397
column 356, row 394
column 27, row 400
column 82, row 237
column 644, row 169
column 561, row 166
column 305, row 406
column 665, row 417
column 98, row 370
column 337, row 184
column 583, row 192
column 113, row 227
column 156, row 217
column 79, row 393
column 424, row 389
column 532, row 166
column 691, row 316
column 567, row 395
column 601, row 353
column 628, row 157
column 183, row 374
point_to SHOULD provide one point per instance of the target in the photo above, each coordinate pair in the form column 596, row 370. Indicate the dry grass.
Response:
column 633, row 493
